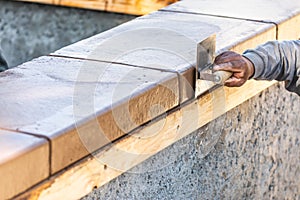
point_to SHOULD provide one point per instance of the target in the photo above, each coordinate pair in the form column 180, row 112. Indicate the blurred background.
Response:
column 29, row 30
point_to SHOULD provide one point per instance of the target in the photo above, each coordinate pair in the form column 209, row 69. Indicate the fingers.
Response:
column 227, row 56
column 233, row 62
column 229, row 66
column 234, row 82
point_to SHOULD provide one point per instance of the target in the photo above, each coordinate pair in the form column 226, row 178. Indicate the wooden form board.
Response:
column 134, row 7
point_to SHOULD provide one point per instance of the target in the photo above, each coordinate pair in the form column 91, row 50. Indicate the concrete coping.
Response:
column 94, row 94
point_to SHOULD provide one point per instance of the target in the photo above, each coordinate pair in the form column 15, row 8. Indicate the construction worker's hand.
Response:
column 242, row 68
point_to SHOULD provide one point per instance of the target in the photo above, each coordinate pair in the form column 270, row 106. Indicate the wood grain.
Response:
column 134, row 7
column 289, row 30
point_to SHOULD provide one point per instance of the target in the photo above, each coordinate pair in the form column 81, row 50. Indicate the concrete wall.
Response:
column 29, row 30
column 256, row 156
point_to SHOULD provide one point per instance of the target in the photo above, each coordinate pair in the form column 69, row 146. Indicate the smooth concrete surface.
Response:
column 154, row 32
column 168, row 41
column 251, row 152
column 285, row 14
column 82, row 105
column 24, row 161
column 266, row 11
column 29, row 30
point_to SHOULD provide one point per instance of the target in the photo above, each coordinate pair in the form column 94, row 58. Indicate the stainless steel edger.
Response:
column 206, row 77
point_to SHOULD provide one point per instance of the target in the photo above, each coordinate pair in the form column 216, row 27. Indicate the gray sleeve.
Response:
column 279, row 61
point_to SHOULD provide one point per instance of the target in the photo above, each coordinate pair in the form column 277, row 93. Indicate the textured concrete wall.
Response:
column 256, row 156
column 29, row 30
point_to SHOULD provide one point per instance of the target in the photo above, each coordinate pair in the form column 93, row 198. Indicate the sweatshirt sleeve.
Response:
column 279, row 61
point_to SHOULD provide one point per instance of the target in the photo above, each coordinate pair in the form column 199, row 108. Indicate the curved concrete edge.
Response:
column 24, row 162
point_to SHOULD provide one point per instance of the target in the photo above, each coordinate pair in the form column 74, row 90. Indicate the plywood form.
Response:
column 81, row 106
column 135, row 7
column 290, row 29
column 90, row 4
column 24, row 161
column 286, row 14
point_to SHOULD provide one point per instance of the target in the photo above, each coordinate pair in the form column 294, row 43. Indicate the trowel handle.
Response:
column 221, row 76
